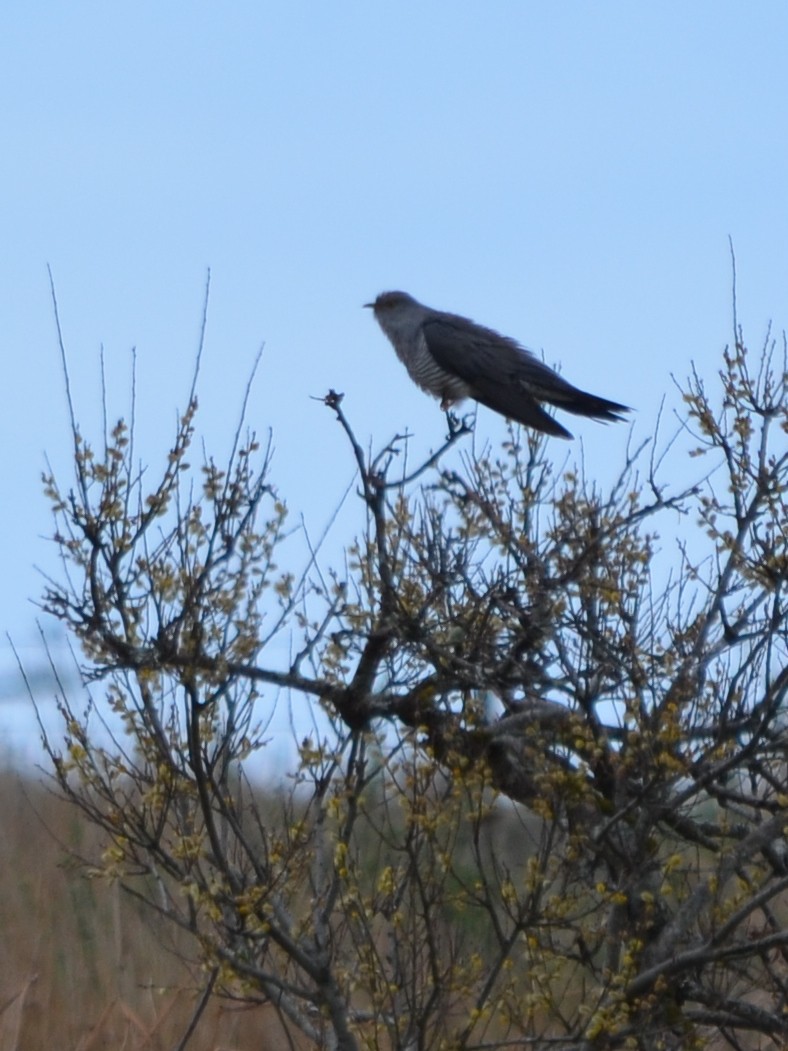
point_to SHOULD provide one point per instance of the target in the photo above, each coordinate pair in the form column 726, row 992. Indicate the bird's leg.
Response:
column 452, row 422
column 456, row 425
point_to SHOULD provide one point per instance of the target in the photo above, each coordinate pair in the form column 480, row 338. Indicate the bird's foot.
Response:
column 458, row 425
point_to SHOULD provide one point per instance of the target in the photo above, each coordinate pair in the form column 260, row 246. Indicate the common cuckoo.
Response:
column 453, row 358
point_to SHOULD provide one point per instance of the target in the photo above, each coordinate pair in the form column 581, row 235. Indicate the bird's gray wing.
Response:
column 502, row 375
column 509, row 378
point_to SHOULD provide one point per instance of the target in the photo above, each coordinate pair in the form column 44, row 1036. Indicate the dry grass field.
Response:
column 80, row 966
column 83, row 968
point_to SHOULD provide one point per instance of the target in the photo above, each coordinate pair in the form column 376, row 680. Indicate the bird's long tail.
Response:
column 581, row 403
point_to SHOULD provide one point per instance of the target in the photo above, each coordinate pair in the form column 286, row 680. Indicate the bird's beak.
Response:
column 369, row 306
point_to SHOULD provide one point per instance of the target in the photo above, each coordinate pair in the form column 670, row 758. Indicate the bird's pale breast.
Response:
column 426, row 372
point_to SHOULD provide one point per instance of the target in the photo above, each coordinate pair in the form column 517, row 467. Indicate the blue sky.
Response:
column 569, row 174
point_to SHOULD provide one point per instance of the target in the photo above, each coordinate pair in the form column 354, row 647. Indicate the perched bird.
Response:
column 453, row 358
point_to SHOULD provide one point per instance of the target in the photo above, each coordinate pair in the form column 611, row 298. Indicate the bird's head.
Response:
column 388, row 304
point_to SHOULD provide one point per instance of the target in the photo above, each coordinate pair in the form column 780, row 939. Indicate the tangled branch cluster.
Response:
column 546, row 803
